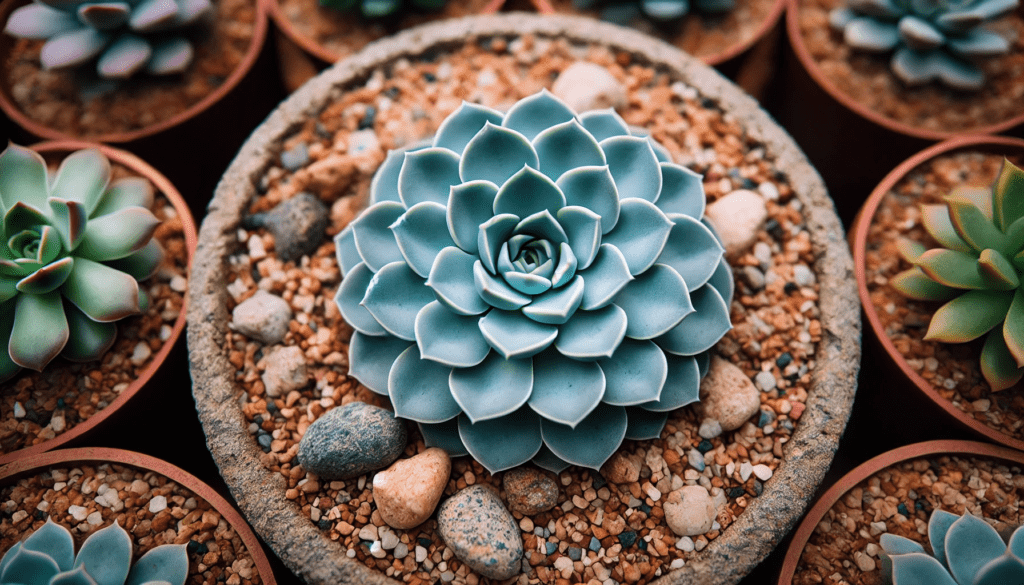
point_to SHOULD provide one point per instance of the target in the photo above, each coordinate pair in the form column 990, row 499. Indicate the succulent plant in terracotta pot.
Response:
column 88, row 248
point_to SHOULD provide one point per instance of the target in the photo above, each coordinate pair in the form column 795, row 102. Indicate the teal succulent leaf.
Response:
column 1016, row 544
column 918, row 69
column 1005, row 569
column 379, row 8
column 919, row 569
column 643, row 424
column 106, row 555
column 938, row 525
column 350, row 297
column 565, row 390
column 478, row 162
column 46, row 279
column 545, row 459
column 919, row 34
column 29, row 567
column 604, row 124
column 384, row 185
column 91, row 340
column 502, row 443
column 117, row 235
column 70, row 218
column 971, row 544
column 870, row 35
column 22, row 178
column 419, row 389
column 979, row 44
column 421, row 233
column 120, row 292
column 8, row 367
column 55, row 542
column 39, row 22
column 549, row 268
column 124, row 57
column 450, row 339
column 701, row 329
column 469, row 205
column 72, row 48
column 142, row 263
column 494, row 388
column 77, row 576
column 104, row 16
column 40, row 330
column 371, row 358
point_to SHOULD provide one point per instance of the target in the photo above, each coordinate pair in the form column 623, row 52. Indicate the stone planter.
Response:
column 260, row 491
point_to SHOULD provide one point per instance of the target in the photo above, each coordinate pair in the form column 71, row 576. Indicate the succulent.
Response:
column 663, row 11
column 71, row 252
column 965, row 551
column 127, row 36
column 933, row 39
column 382, row 8
column 105, row 558
column 978, row 269
column 534, row 285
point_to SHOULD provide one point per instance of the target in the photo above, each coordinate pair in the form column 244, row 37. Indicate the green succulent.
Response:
column 382, row 8
column 47, row 557
column 978, row 269
column 933, row 39
column 965, row 551
column 124, row 36
column 72, row 250
column 663, row 11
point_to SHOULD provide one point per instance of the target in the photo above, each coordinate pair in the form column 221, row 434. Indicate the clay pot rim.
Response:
column 828, row 499
column 252, row 53
column 34, row 463
column 309, row 45
column 796, row 41
column 859, row 233
column 188, row 224
column 808, row 453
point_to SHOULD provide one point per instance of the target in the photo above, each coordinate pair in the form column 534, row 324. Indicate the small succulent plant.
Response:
column 105, row 558
column 383, row 8
column 965, row 551
column 534, row 285
column 72, row 251
column 933, row 39
column 661, row 11
column 126, row 36
column 978, row 269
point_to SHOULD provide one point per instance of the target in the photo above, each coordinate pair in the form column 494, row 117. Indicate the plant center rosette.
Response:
column 534, row 285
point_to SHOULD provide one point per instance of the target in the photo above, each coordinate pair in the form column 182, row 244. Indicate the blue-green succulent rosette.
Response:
column 535, row 285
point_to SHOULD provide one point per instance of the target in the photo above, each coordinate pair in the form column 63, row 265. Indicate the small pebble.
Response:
column 695, row 459
column 19, row 410
column 178, row 284
column 351, row 440
column 689, row 511
column 737, row 217
column 585, row 86
column 763, row 253
column 298, row 225
column 710, row 428
column 762, row 472
column 157, row 504
column 745, row 470
column 621, row 468
column 481, row 532
column 727, row 395
column 296, row 157
column 765, row 381
column 263, row 317
column 529, row 490
column 141, row 353
column 407, row 493
column 79, row 512
column 286, row 370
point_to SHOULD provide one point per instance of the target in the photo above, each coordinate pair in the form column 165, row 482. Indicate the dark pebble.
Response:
column 626, row 539
column 791, row 288
column 784, row 360
column 736, row 492
column 595, row 544
column 575, row 553
column 902, row 509
column 368, row 118
column 298, row 225
column 351, row 440
column 551, row 547
column 264, row 440
column 705, row 446
column 773, row 227
column 767, row 418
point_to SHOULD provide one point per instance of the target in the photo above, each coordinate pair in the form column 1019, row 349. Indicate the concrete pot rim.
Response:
column 809, row 453
column 41, row 462
column 926, row 449
column 188, row 224
column 252, row 53
column 858, row 242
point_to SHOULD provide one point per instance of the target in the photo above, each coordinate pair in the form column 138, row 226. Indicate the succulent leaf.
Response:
column 461, row 126
column 40, row 330
column 565, row 147
column 545, row 459
column 910, row 250
column 384, row 185
column 350, row 297
column 22, row 179
column 918, row 69
column 608, row 275
column 565, row 390
column 915, row 284
column 371, row 359
column 469, row 205
column 345, row 250
column 120, row 292
column 72, row 48
column 648, row 318
column 445, row 436
column 55, row 542
column 532, row 115
column 502, row 443
column 453, row 282
column 969, row 316
column 514, row 335
column 47, row 278
column 419, row 389
column 692, row 250
column 90, row 339
column 421, row 233
column 682, row 191
column 935, row 219
column 395, row 296
column 919, row 34
column 494, row 388
column 641, row 234
column 106, row 555
column 871, row 35
column 77, row 576
column 374, row 239
column 29, row 568
column 634, row 166
column 142, row 263
column 592, row 441
column 643, row 424
column 479, row 163
column 528, row 192
column 167, row 564
column 448, row 338
column 919, row 569
column 701, row 329
column 124, row 57
column 958, row 270
column 39, row 22
column 1008, row 205
column 682, row 386
column 998, row 364
column 971, row 544
column 117, row 235
column 634, row 374
column 152, row 15
column 973, row 226
column 428, row 175
column 592, row 188
column 604, row 124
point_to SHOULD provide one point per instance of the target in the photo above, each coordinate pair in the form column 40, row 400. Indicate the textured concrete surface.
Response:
column 260, row 493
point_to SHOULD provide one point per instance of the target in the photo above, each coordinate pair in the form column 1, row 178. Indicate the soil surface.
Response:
column 952, row 369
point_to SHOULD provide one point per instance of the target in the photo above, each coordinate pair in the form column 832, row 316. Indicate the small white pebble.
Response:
column 19, row 410
column 141, row 353
column 677, row 564
column 18, row 516
column 685, row 544
column 257, row 251
column 421, row 554
column 653, row 493
column 377, row 551
column 158, row 504
column 710, row 428
column 401, row 551
column 78, row 512
column 762, row 471
column 745, row 470
column 94, row 519
column 179, row 284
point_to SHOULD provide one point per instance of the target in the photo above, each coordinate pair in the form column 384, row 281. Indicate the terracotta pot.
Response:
column 834, row 493
column 35, row 128
column 140, row 385
column 903, row 374
column 41, row 463
column 259, row 491
column 862, row 111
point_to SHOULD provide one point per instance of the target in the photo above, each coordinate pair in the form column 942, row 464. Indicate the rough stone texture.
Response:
column 408, row 492
column 690, row 511
column 481, row 532
column 286, row 371
column 351, row 440
column 736, row 218
column 727, row 395
column 588, row 86
column 297, row 224
column 258, row 491
column 263, row 317
column 530, row 490
column 621, row 468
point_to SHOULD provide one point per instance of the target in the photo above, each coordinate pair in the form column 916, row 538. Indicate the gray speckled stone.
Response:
column 298, row 225
column 481, row 532
column 351, row 440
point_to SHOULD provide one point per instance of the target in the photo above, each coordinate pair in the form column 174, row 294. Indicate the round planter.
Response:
column 36, row 128
column 837, row 491
column 140, row 385
column 305, row 548
column 44, row 463
column 906, row 375
column 889, row 122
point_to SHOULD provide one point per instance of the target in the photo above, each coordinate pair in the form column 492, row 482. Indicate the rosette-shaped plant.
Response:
column 105, row 558
column 71, row 250
column 383, row 8
column 965, row 551
column 663, row 11
column 127, row 36
column 978, row 269
column 534, row 285
column 933, row 39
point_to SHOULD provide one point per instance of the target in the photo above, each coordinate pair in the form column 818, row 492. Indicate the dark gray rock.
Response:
column 297, row 224
column 481, row 532
column 529, row 490
column 351, row 440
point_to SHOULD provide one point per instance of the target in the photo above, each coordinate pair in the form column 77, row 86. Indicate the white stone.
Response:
column 710, row 428
column 388, row 539
column 263, row 317
column 286, row 371
column 745, row 470
column 363, row 141
column 677, row 564
column 762, row 472
column 18, row 516
column 158, row 504
column 727, row 395
column 685, row 544
column 179, row 284
column 377, row 551
column 57, row 423
column 368, row 532
column 421, row 554
column 401, row 551
column 737, row 217
column 19, row 410
column 588, row 86
column 78, row 512
column 94, row 519
column 257, row 251
column 802, row 275
column 141, row 353
column 689, row 511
